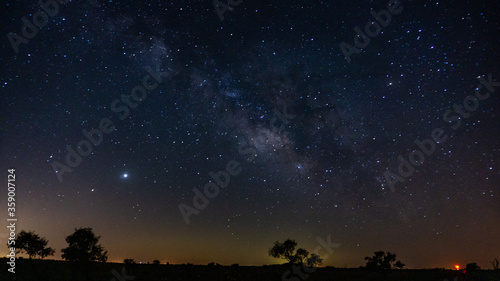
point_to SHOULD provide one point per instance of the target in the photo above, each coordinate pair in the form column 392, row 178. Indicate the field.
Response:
column 50, row 270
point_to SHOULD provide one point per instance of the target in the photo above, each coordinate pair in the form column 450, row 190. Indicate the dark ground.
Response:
column 50, row 270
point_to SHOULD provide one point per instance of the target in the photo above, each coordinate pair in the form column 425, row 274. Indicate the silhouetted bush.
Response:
column 471, row 267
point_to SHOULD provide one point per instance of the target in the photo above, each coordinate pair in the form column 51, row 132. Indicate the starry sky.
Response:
column 310, row 143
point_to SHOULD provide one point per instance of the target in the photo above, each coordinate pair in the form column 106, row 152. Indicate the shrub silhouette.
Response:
column 382, row 261
column 471, row 267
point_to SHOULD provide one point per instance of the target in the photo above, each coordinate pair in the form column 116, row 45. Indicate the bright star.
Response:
column 124, row 176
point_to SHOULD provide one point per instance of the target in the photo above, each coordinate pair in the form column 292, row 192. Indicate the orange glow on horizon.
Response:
column 457, row 266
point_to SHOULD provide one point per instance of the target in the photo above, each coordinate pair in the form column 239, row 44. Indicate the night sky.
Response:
column 308, row 140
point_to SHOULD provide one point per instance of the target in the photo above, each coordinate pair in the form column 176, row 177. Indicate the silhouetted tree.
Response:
column 382, row 261
column 156, row 262
column 83, row 248
column 471, row 267
column 314, row 260
column 286, row 250
column 495, row 264
column 300, row 256
column 399, row 265
column 34, row 246
column 283, row 250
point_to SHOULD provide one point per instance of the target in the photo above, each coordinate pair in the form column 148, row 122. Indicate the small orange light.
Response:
column 457, row 266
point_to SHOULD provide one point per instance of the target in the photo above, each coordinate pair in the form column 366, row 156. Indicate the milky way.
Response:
column 179, row 95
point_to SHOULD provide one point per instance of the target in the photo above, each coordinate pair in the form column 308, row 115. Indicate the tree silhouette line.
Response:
column 84, row 249
column 380, row 261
